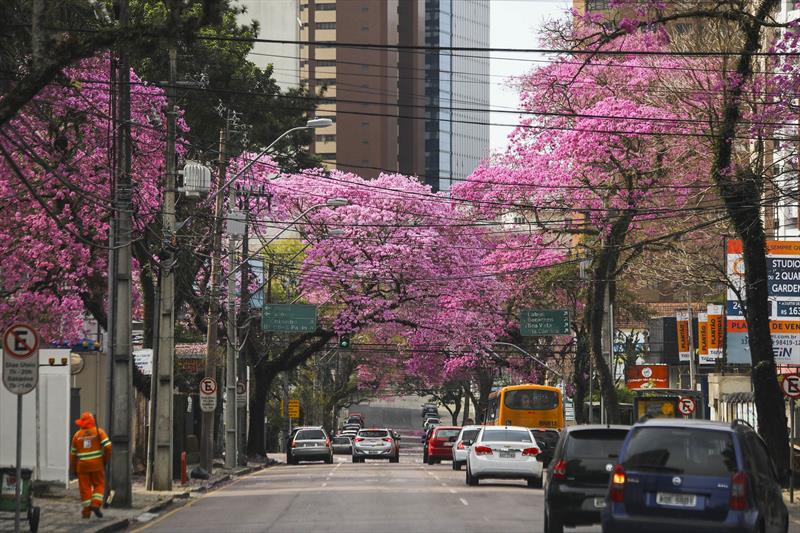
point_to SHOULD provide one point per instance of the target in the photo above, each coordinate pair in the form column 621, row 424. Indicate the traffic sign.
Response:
column 208, row 395
column 294, row 408
column 686, row 405
column 790, row 384
column 290, row 318
column 241, row 394
column 541, row 322
column 20, row 359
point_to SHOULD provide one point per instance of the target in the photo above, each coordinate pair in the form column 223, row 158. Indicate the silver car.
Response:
column 311, row 444
column 375, row 444
column 462, row 444
column 342, row 444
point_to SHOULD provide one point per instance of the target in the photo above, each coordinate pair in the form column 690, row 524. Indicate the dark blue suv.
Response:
column 694, row 475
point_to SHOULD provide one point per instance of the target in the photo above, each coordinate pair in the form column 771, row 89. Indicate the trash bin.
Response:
column 8, row 488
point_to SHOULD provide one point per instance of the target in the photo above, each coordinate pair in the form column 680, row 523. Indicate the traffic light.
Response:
column 344, row 341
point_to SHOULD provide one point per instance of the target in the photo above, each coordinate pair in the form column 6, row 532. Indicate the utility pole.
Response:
column 120, row 302
column 163, row 367
column 207, row 426
column 244, row 311
column 692, row 370
column 231, row 420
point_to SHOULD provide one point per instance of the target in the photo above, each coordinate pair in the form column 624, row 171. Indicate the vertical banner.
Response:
column 715, row 332
column 702, row 339
column 682, row 322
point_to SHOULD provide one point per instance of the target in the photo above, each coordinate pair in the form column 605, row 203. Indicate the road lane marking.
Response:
column 452, row 491
column 324, row 484
column 462, row 500
column 444, row 484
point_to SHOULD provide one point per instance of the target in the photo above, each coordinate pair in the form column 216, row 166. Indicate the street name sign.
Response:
column 208, row 395
column 289, row 318
column 790, row 384
column 20, row 359
column 686, row 406
column 541, row 322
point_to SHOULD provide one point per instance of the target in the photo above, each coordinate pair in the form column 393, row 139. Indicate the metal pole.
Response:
column 231, row 431
column 164, row 370
column 121, row 461
column 692, row 370
column 791, row 450
column 591, row 381
column 153, row 411
column 207, row 426
column 18, row 484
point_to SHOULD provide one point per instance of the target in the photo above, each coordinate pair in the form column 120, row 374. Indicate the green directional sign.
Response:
column 540, row 322
column 290, row 318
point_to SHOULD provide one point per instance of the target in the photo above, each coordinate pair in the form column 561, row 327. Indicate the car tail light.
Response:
column 617, row 488
column 739, row 492
column 483, row 450
column 460, row 445
column 387, row 439
column 359, row 439
column 327, row 443
column 530, row 452
column 560, row 470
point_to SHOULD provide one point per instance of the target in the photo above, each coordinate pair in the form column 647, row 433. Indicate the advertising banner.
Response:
column 647, row 377
column 783, row 285
column 702, row 339
column 682, row 323
column 716, row 330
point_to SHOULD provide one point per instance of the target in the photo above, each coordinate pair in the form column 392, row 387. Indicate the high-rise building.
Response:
column 396, row 106
column 277, row 20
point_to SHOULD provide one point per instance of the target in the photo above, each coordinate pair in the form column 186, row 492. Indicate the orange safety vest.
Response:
column 90, row 450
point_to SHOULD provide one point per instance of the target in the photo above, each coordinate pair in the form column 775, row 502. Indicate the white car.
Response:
column 462, row 444
column 504, row 452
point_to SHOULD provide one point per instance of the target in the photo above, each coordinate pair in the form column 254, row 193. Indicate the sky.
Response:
column 514, row 24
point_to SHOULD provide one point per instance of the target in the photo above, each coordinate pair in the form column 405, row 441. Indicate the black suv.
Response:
column 577, row 477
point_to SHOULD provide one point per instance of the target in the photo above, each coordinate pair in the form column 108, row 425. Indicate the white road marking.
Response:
column 324, row 484
column 444, row 484
column 462, row 500
column 452, row 491
column 436, row 477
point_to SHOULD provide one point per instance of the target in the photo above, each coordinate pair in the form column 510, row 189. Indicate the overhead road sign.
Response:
column 289, row 318
column 544, row 322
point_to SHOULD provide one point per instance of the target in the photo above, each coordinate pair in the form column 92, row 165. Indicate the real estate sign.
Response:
column 783, row 279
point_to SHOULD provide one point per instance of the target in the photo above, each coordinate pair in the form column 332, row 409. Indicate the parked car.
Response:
column 375, row 443
column 576, row 481
column 547, row 439
column 440, row 444
column 694, row 475
column 342, row 444
column 462, row 444
column 311, row 444
column 504, row 452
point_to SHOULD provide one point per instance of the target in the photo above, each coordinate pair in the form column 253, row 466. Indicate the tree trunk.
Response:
column 457, row 410
column 580, row 376
column 256, row 437
column 466, row 404
column 484, row 389
column 595, row 310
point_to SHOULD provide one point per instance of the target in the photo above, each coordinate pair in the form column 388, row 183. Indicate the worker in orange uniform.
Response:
column 88, row 455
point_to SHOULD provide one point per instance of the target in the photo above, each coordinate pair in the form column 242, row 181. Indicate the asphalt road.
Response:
column 370, row 497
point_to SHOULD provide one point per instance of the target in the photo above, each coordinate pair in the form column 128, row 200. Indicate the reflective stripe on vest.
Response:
column 89, row 455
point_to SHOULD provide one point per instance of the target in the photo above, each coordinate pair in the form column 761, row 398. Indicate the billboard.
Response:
column 682, row 323
column 647, row 377
column 783, row 285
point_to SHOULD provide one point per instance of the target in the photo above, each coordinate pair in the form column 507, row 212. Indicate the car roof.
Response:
column 588, row 427
column 472, row 426
column 437, row 428
column 374, row 429
column 498, row 428
column 690, row 423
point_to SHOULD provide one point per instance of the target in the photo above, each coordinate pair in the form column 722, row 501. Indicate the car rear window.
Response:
column 310, row 434
column 447, row 433
column 594, row 444
column 341, row 440
column 469, row 434
column 531, row 399
column 373, row 433
column 505, row 435
column 693, row 451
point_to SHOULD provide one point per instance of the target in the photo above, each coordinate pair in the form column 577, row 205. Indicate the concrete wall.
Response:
column 719, row 384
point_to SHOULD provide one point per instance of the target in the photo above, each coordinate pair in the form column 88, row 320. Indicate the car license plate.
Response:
column 507, row 455
column 599, row 503
column 448, row 444
column 676, row 500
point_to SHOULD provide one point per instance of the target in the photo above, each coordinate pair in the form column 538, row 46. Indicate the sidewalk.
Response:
column 62, row 514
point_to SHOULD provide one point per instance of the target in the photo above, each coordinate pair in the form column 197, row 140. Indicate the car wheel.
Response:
column 471, row 480
column 395, row 459
column 535, row 482
column 329, row 460
column 458, row 465
column 454, row 465
column 431, row 461
column 355, row 459
column 551, row 524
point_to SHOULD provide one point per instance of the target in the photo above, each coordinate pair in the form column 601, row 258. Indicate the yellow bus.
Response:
column 532, row 406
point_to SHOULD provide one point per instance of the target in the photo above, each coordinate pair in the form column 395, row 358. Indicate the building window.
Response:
column 325, row 7
column 326, row 138
column 364, row 28
column 364, row 8
column 326, row 81
column 329, row 156
column 326, row 25
column 326, row 62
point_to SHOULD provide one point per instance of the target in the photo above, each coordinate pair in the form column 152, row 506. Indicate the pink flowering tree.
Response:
column 596, row 168
column 55, row 180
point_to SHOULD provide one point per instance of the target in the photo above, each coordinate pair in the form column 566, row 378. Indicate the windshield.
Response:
column 594, row 444
column 447, row 433
column 505, row 435
column 531, row 399
column 681, row 451
column 373, row 434
column 310, row 434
